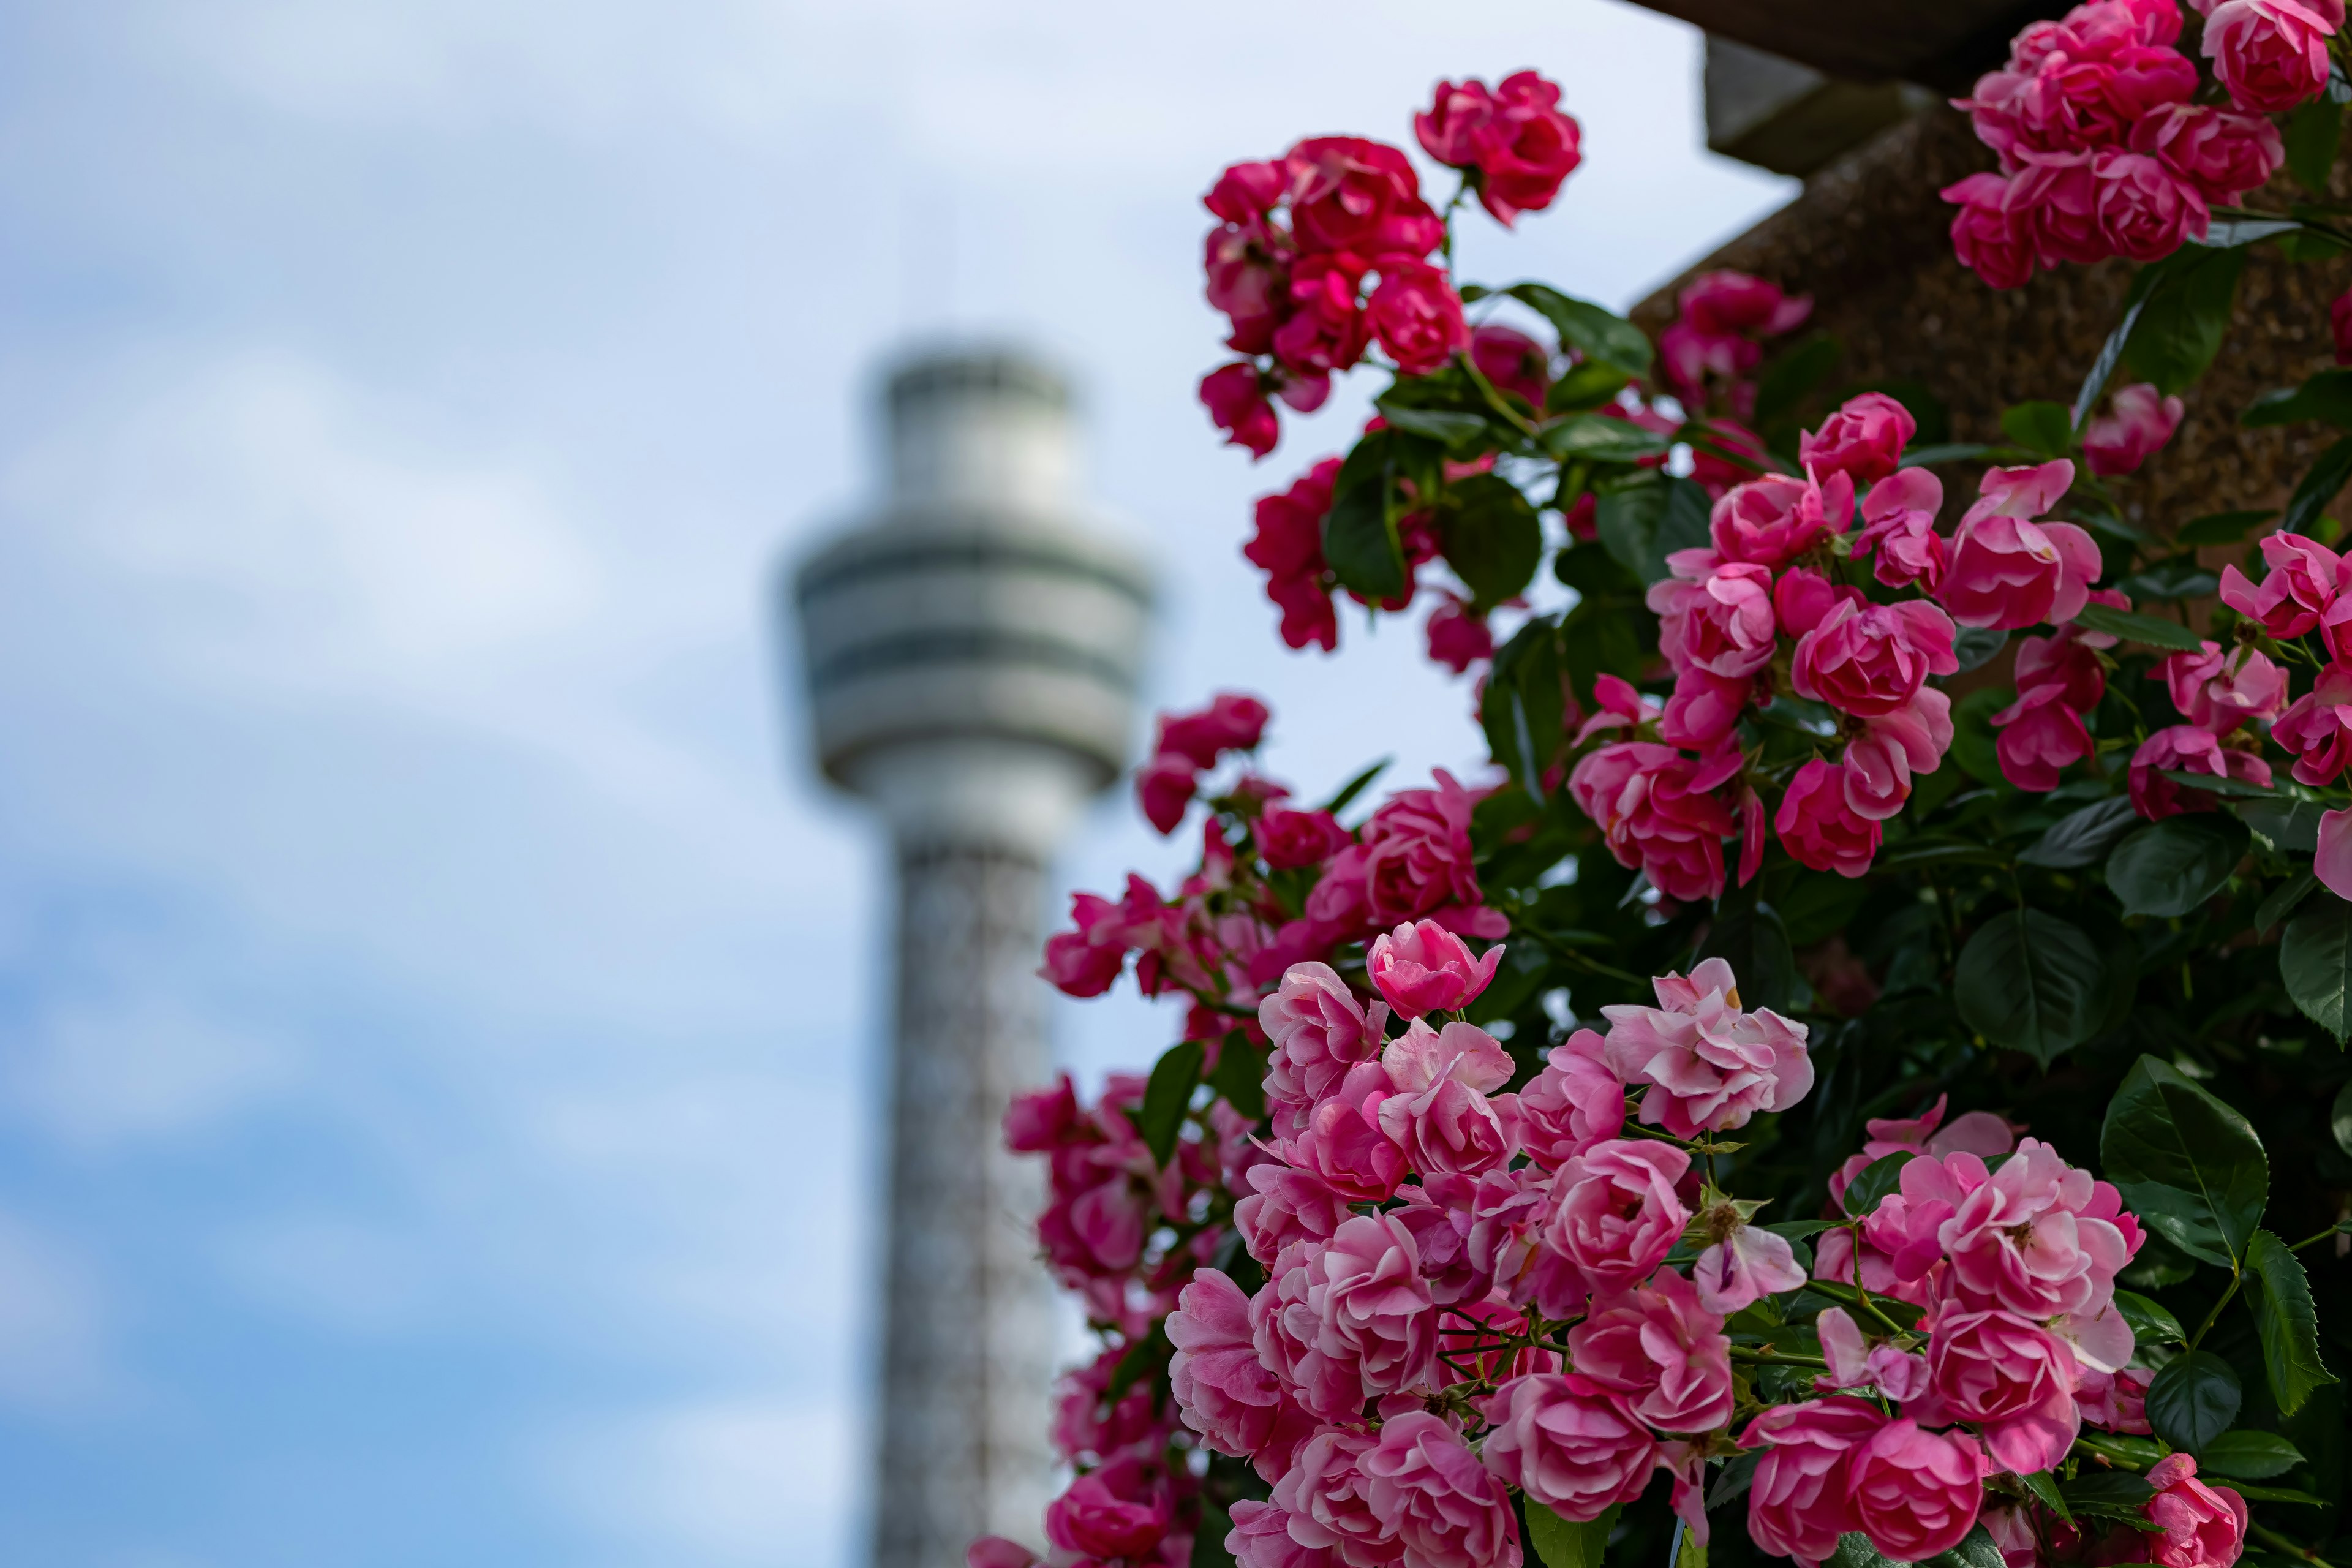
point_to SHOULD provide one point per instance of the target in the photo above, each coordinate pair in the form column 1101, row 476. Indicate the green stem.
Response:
column 1776, row 1358
column 2310, row 1240
column 2277, row 1542
column 2237, row 1278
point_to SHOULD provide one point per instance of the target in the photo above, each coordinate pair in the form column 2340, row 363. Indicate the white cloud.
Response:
column 131, row 1065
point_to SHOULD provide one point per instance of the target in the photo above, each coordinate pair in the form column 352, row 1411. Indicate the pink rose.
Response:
column 1261, row 1538
column 1727, row 302
column 1417, row 316
column 2204, row 1526
column 2041, row 734
column 1747, row 1265
column 2012, row 1379
column 1290, row 839
column 1525, row 147
column 2222, row 154
column 2007, row 571
column 2138, row 421
column 1914, row 1493
column 1870, row 659
column 1237, row 406
column 1855, row 1364
column 1772, row 520
column 1410, row 860
column 1163, row 787
column 1709, row 1065
column 1284, row 1205
column 2145, row 210
column 2186, row 748
column 1343, row 1144
column 1659, row 1347
column 1722, row 622
column 2218, row 692
column 1898, row 522
column 1317, row 1030
column 1980, row 1132
column 1880, row 760
column 1458, row 637
column 2332, row 858
column 1990, row 234
column 1657, row 810
column 2038, row 1237
column 1803, row 600
column 1569, row 1443
column 1231, row 722
column 1360, row 197
column 1288, row 545
column 1819, row 828
column 1863, row 439
column 1798, row 1504
column 2301, row 586
column 2271, row 55
column 2116, row 1401
column 1614, row 1212
column 1439, row 1112
column 1087, row 1423
column 1222, row 1391
column 1424, row 968
column 1349, row 1318
column 2055, row 197
column 2065, row 661
column 1447, row 129
column 1512, row 360
column 1704, row 708
column 2318, row 726
column 1576, row 1101
column 1429, row 1491
column 1115, row 1510
column 1324, row 1499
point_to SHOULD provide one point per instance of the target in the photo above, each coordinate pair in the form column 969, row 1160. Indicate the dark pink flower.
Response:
column 1512, row 360
column 1614, row 1212
column 1422, row 967
column 1819, row 828
column 1727, row 302
column 1915, row 1492
column 1224, row 1392
column 1231, row 722
column 1863, row 439
column 1576, row 1101
column 995, row 1552
column 2218, row 692
column 1290, row 839
column 1163, row 788
column 2271, row 55
column 1570, row 1444
column 1347, row 1319
column 1989, row 233
column 2055, row 197
column 2137, row 422
column 2007, row 571
column 1658, row 811
column 2204, row 1526
column 1869, row 659
column 1361, row 198
column 1898, row 521
column 2041, row 734
column 1721, row 623
column 1410, row 861
column 2186, row 748
column 2221, row 153
column 2300, row 587
column 1774, row 520
column 1322, row 1499
column 1798, row 1504
column 1525, row 147
column 2146, row 212
column 2116, row 1401
column 1457, row 637
column 1417, row 316
column 2318, row 726
column 1237, row 405
column 1429, row 1491
column 1447, row 129
column 1659, row 1347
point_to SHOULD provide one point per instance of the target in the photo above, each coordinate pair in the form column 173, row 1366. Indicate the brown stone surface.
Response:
column 1869, row 239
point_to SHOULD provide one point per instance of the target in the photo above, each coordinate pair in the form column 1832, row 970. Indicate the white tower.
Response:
column 971, row 649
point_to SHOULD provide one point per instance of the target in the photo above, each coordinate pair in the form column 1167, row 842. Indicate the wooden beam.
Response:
column 1939, row 43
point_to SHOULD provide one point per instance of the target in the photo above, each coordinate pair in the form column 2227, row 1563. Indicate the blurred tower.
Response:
column 971, row 647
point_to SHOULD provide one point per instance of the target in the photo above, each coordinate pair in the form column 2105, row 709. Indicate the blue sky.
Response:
column 434, row 1127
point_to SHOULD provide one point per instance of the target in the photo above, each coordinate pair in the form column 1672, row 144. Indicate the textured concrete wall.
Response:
column 1869, row 241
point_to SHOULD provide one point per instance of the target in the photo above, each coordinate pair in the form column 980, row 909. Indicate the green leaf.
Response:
column 1976, row 1549
column 2181, row 578
column 2192, row 1399
column 1976, row 646
column 1240, row 1076
column 2187, row 1164
column 2313, row 134
column 1750, row 938
column 2278, row 1494
column 1596, row 333
column 1689, row 1551
column 1874, row 1180
column 2219, row 783
column 1798, row 369
column 2248, row 1456
column 2044, row 428
column 1167, row 1096
column 1455, row 429
column 2105, row 1491
column 2318, row 486
column 2045, row 1484
column 1945, row 452
column 1598, row 438
column 2083, row 837
column 2152, row 1321
column 2291, row 825
column 1354, row 787
column 1522, row 710
column 2139, row 629
column 1641, row 521
column 1974, row 746
column 2219, row 527
column 1209, row 1537
column 1491, row 538
column 1563, row 1544
column 2185, row 315
column 2316, row 963
column 2030, row 982
column 2326, row 398
column 2288, row 1322
column 1359, row 538
column 2281, row 899
column 2172, row 866
column 1586, row 385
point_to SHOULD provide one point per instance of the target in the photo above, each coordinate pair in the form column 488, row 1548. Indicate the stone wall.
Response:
column 1869, row 241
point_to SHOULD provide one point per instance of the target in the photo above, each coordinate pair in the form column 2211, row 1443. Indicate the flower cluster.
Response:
column 1708, row 355
column 2104, row 151
column 1514, row 142
column 1190, row 744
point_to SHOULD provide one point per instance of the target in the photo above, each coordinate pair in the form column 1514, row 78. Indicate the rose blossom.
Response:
column 1525, row 147
column 1709, row 1065
column 1854, row 1364
column 2010, row 1378
column 1980, row 1132
column 1260, row 1538
column 1819, row 828
column 2271, row 55
column 2044, row 1239
column 1348, row 1317
column 1727, row 301
column 2186, row 748
column 1237, row 405
column 1324, row 1496
column 1458, row 636
column 1512, row 360
column 1989, row 235
column 1289, row 547
column 1569, row 1443
column 2041, row 734
column 2222, row 154
column 1422, row 967
column 1428, row 1490
column 1417, row 316
column 1746, row 1265
column 2056, row 197
column 2300, row 587
column 1721, row 623
column 1899, row 524
column 1576, row 1101
column 1440, row 1113
column 1284, row 1205
column 1224, row 1392
column 1798, row 1504
column 1658, row 811
column 2116, row 1401
column 2145, row 210
column 1803, row 599
column 1112, row 1511
column 1772, row 521
column 1412, row 860
column 1233, row 721
column 2138, row 421
column 2204, row 1526
column 1615, row 1214
column 1163, row 788
column 1863, row 439
column 1704, row 708
column 1914, row 1493
column 2318, row 726
column 2218, row 692
column 1358, row 196
column 1870, row 659
column 1290, row 839
column 1660, row 1348
column 1318, row 1030
column 2007, row 571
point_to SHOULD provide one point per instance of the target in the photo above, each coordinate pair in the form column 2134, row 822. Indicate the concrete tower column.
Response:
column 971, row 651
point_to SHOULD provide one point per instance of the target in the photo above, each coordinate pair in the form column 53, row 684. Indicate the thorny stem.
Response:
column 2277, row 1542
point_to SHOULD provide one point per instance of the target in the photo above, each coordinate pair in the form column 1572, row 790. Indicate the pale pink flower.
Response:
column 2007, row 571
column 2204, row 1526
column 1261, row 1538
column 1658, row 1346
column 1422, row 967
column 1429, row 1491
column 1798, row 1504
column 1709, row 1065
column 2116, row 1401
column 2038, row 1237
column 1222, row 1391
column 2332, row 864
column 1285, row 1206
column 1348, row 1317
column 1319, row 1031
column 1721, row 623
column 1615, row 1214
column 1576, row 1101
column 1439, row 1112
column 995, row 1552
column 2220, row 690
column 1915, row 1492
column 1981, row 1133
column 1898, row 522
column 1744, row 1268
column 1323, row 1499
column 1570, row 1444
column 2139, row 419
